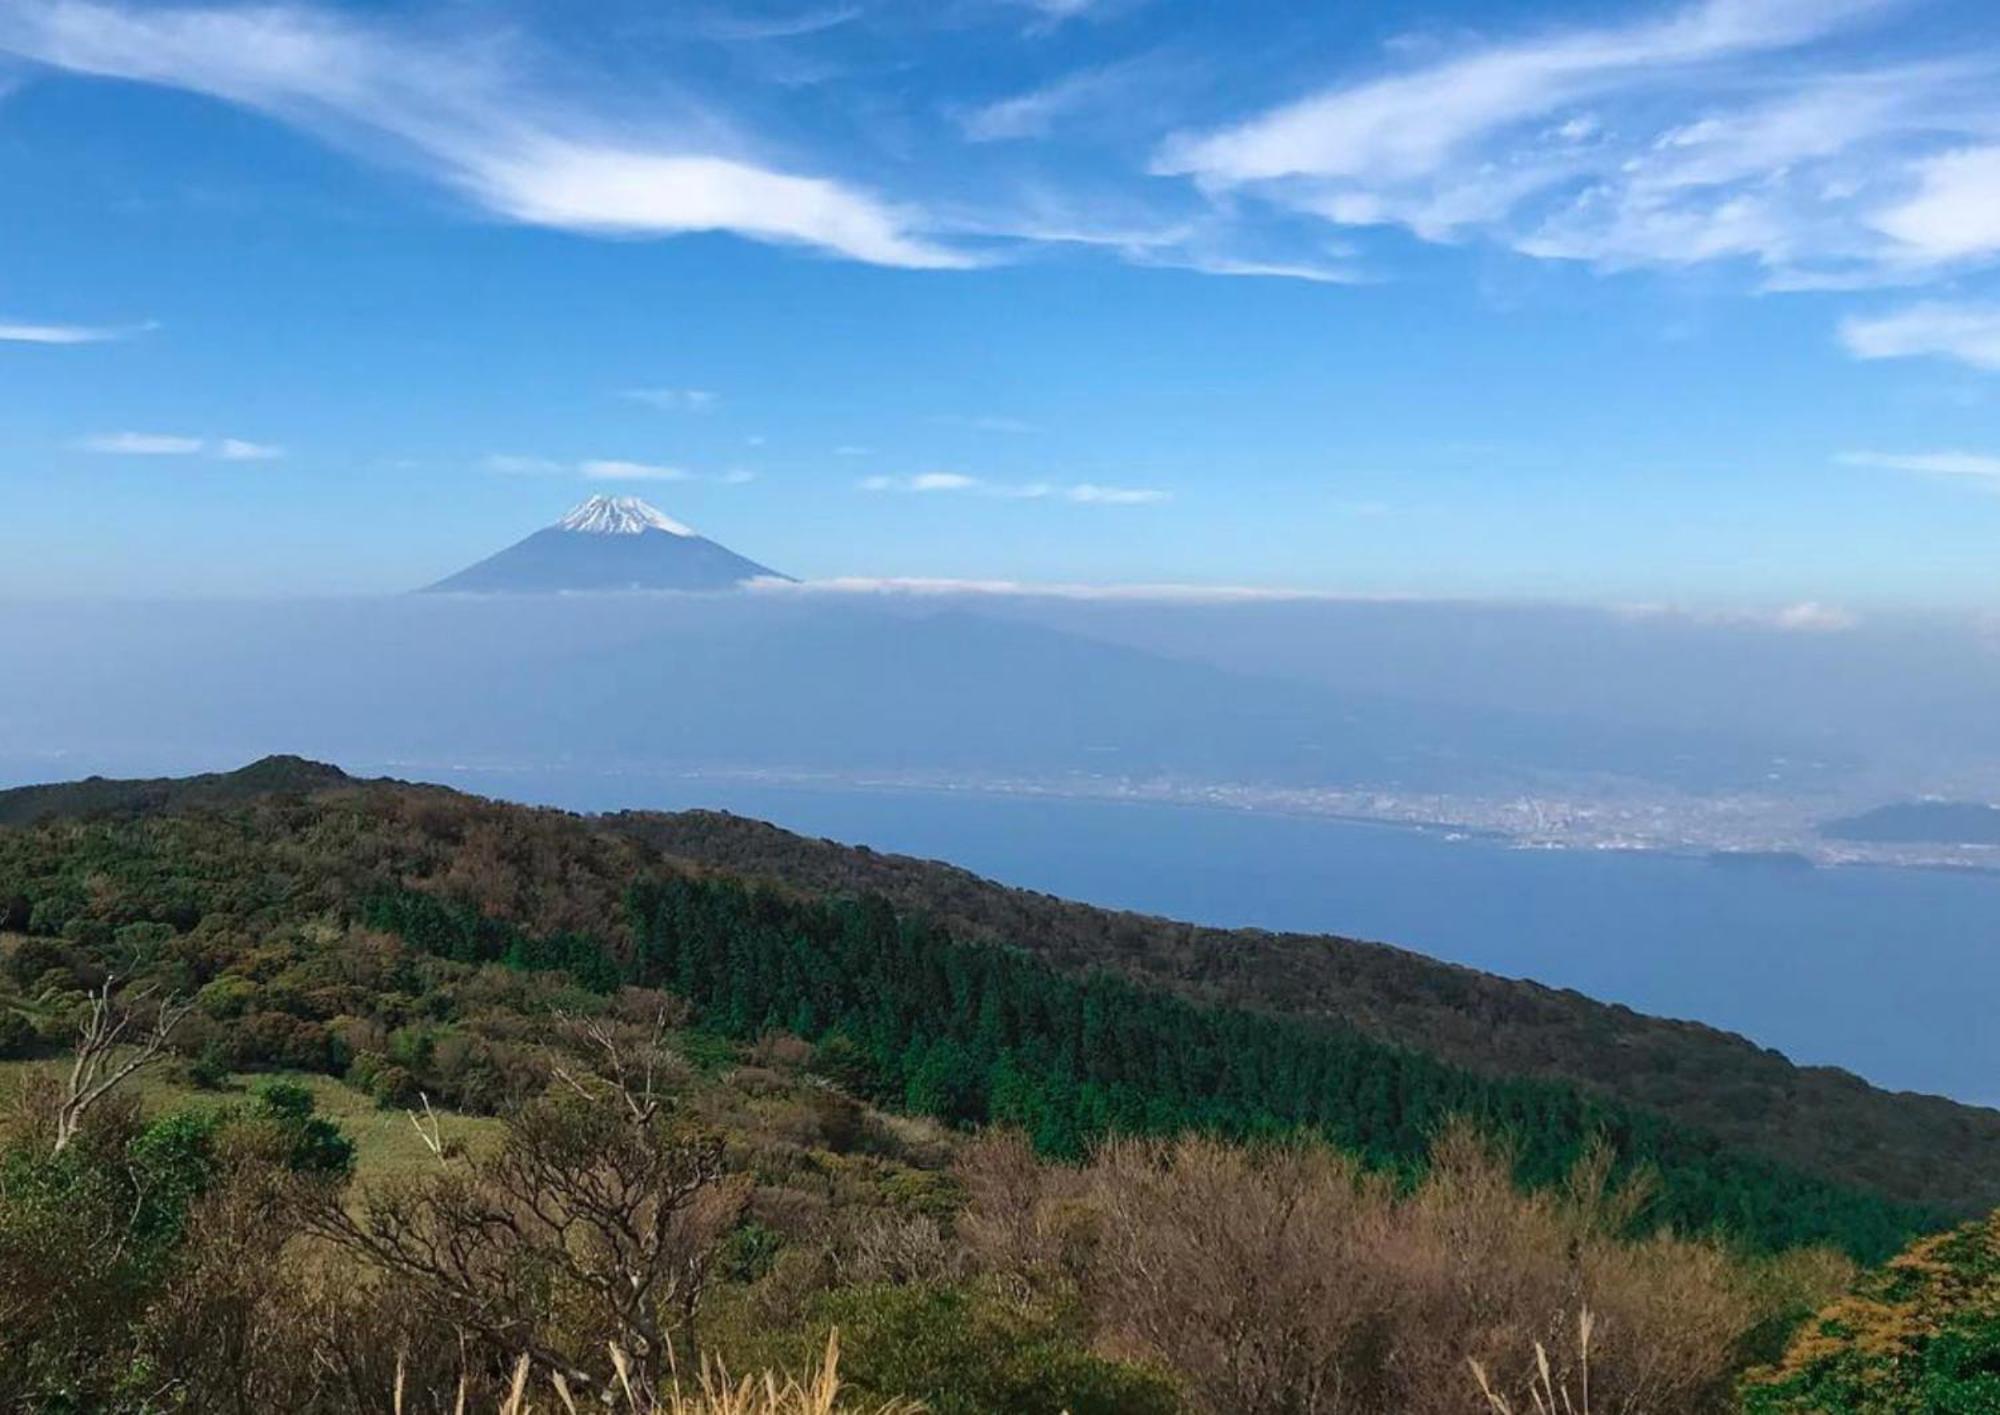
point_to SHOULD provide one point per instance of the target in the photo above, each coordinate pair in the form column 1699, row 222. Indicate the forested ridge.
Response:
column 1921, row 1149
column 975, row 1034
column 99, row 795
column 967, row 1031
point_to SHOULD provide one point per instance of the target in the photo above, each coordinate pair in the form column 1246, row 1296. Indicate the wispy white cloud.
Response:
column 1029, row 589
column 922, row 482
column 1321, row 272
column 742, row 28
column 608, row 189
column 692, row 400
column 1038, row 111
column 468, row 114
column 1056, row 12
column 513, row 464
column 987, row 422
column 1417, row 124
column 1969, row 333
column 236, row 449
column 1805, row 617
column 607, row 469
column 1812, row 617
column 1954, row 213
column 617, row 469
column 937, row 481
column 1091, row 494
column 1978, row 466
column 1809, row 616
column 144, row 444
column 1082, row 493
column 24, row 332
column 1222, row 240
column 1667, row 142
column 163, row 444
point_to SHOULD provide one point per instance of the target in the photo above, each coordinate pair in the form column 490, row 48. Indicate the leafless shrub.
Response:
column 781, row 1051
column 591, row 1224
column 628, row 1062
column 1284, row 1279
column 901, row 1249
column 1251, row 1275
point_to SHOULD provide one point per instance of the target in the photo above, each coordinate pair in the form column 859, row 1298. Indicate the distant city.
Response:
column 1611, row 815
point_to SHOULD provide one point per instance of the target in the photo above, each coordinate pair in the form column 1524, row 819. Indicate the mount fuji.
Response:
column 608, row 543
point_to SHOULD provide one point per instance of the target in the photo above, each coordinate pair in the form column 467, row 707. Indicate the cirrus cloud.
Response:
column 236, row 449
column 608, row 469
column 1975, row 465
column 143, row 444
column 164, row 444
column 618, row 469
column 1969, row 333
column 918, row 587
column 29, row 332
column 1668, row 142
column 686, row 400
column 471, row 117
column 1081, row 493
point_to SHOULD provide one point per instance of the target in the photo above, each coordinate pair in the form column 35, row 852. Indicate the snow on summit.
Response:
column 620, row 516
column 609, row 543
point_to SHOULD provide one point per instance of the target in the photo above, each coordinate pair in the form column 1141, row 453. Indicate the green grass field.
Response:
column 385, row 1141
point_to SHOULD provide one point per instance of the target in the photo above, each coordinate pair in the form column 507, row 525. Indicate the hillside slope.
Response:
column 99, row 795
column 551, row 872
column 1828, row 1121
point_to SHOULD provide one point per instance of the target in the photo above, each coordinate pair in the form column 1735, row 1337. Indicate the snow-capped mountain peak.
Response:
column 609, row 543
column 620, row 516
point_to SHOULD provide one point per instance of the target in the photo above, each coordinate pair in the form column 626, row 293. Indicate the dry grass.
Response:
column 1548, row 1397
column 715, row 1394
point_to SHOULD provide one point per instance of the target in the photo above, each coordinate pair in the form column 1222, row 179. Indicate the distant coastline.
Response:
column 1730, row 832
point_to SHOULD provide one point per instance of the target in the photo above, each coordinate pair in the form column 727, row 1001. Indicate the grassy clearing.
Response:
column 385, row 1142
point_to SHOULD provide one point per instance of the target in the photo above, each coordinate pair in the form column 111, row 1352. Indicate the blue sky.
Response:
column 1689, row 303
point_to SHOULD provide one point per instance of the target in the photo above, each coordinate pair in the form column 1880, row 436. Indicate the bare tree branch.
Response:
column 628, row 1217
column 633, row 1071
column 99, row 1069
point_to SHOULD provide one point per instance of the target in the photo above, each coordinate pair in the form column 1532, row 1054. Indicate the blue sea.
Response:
column 1889, row 973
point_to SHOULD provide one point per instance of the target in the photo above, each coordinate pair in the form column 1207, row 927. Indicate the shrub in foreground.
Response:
column 1287, row 1278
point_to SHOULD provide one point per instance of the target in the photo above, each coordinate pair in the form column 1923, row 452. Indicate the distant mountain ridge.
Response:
column 1914, row 1148
column 608, row 543
column 106, row 796
column 1920, row 823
